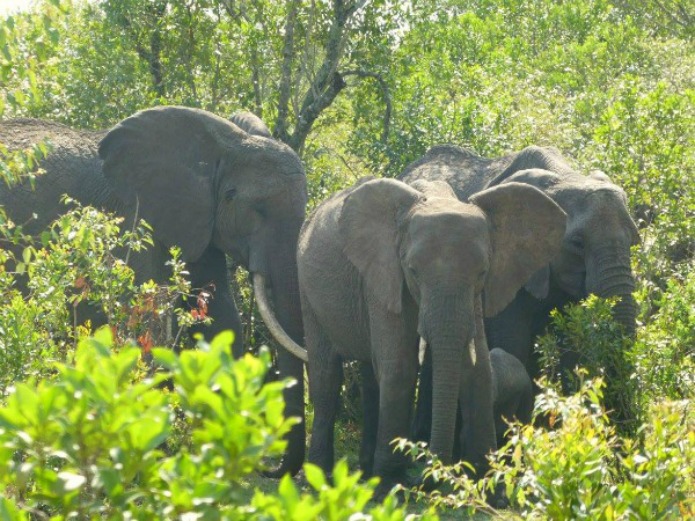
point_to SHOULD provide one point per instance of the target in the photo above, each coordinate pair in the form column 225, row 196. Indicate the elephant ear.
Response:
column 526, row 230
column 250, row 123
column 369, row 225
column 538, row 284
column 163, row 161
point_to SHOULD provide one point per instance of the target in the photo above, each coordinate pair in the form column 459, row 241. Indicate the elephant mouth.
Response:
column 266, row 311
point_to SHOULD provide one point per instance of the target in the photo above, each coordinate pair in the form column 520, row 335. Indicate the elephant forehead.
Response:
column 459, row 227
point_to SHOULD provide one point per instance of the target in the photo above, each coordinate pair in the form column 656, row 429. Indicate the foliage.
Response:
column 586, row 335
column 573, row 465
column 88, row 446
column 75, row 275
column 664, row 351
column 580, row 469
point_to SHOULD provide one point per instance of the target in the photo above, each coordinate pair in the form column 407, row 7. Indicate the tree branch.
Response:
column 327, row 83
column 281, row 131
column 385, row 94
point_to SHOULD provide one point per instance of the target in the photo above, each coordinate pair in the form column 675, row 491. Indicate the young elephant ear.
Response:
column 369, row 224
column 163, row 161
column 526, row 230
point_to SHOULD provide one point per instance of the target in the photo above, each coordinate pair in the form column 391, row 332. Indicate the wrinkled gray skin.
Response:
column 512, row 391
column 380, row 264
column 595, row 249
column 204, row 185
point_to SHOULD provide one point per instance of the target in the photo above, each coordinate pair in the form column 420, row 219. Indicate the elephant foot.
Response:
column 287, row 466
column 498, row 499
column 384, row 488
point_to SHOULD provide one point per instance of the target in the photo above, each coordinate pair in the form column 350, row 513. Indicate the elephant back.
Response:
column 71, row 167
column 464, row 170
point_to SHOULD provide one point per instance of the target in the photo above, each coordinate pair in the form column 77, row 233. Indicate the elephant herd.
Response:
column 457, row 254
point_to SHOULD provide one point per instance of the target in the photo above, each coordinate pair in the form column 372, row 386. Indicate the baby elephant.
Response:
column 512, row 391
column 383, row 263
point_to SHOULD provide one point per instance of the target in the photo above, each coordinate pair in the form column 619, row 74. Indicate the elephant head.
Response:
column 454, row 263
column 204, row 184
column 595, row 254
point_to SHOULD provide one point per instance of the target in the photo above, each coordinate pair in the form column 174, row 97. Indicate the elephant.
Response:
column 512, row 391
column 204, row 185
column 594, row 251
column 381, row 263
column 250, row 123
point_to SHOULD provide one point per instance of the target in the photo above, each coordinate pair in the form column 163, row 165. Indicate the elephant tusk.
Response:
column 273, row 325
column 421, row 351
column 471, row 351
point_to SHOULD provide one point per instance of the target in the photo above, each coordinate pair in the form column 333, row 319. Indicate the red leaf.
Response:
column 146, row 342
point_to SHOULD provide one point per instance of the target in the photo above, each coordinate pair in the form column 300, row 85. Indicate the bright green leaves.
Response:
column 580, row 469
column 71, row 435
column 346, row 499
column 94, row 442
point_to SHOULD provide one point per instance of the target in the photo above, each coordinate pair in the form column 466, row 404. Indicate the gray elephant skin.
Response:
column 512, row 391
column 381, row 263
column 595, row 249
column 204, row 185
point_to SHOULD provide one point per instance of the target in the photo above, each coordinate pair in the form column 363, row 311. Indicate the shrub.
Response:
column 89, row 442
column 580, row 469
column 586, row 334
column 665, row 348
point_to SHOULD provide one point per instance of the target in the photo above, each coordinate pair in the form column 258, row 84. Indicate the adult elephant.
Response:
column 204, row 185
column 380, row 264
column 594, row 251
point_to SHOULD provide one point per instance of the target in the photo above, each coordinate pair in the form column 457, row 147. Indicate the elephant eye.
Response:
column 577, row 243
column 230, row 194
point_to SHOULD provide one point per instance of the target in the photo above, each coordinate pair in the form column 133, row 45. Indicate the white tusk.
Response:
column 421, row 351
column 471, row 350
column 273, row 325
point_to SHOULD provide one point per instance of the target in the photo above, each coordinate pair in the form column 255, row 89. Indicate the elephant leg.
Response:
column 394, row 352
column 370, row 408
column 325, row 379
column 397, row 390
column 209, row 274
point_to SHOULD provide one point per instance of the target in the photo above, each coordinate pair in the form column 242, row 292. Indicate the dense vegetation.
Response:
column 357, row 88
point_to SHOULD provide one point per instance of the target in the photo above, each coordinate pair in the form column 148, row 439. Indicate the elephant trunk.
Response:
column 448, row 341
column 447, row 360
column 609, row 275
column 286, row 309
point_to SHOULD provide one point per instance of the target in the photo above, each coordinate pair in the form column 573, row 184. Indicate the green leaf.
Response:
column 315, row 476
column 165, row 357
column 9, row 511
column 71, row 481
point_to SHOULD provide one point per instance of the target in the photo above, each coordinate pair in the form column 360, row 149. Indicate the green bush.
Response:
column 664, row 351
column 89, row 443
column 587, row 335
column 580, row 468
